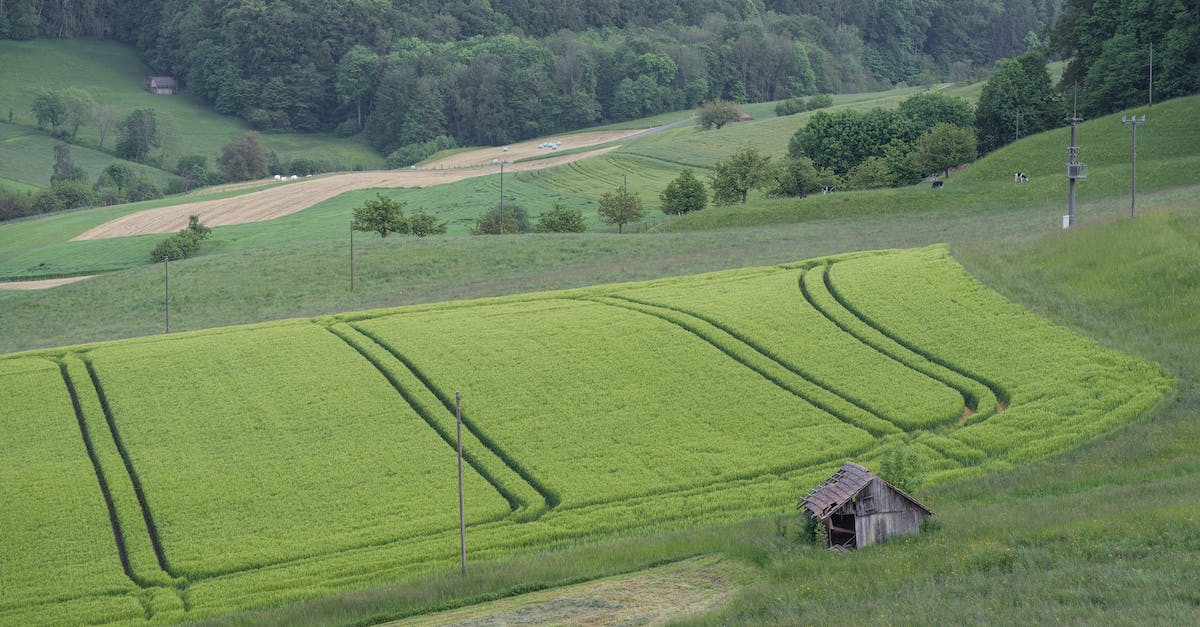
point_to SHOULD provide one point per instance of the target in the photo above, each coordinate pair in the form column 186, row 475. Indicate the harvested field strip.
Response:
column 139, row 555
column 998, row 393
column 770, row 369
column 977, row 396
column 604, row 404
column 147, row 516
column 522, row 494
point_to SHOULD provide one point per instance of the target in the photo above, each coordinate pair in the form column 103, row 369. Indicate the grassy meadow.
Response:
column 113, row 74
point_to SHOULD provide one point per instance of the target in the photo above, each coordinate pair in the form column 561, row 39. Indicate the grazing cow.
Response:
column 937, row 184
column 1020, row 177
column 828, row 189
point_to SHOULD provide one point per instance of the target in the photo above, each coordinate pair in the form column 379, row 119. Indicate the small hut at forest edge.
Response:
column 859, row 509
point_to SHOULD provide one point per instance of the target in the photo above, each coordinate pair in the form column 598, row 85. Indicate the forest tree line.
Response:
column 411, row 71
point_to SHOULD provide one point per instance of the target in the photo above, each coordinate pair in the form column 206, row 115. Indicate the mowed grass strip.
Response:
column 601, row 404
column 57, row 544
column 276, row 443
column 768, row 311
column 1063, row 388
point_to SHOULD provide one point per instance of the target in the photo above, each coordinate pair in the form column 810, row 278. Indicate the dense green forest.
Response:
column 481, row 72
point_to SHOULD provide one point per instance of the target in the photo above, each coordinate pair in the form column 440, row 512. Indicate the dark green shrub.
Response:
column 423, row 224
column 411, row 154
column 561, row 219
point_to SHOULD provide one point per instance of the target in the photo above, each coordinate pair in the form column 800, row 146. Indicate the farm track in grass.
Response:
column 979, row 400
column 769, row 368
column 140, row 493
column 790, row 363
column 118, row 535
column 412, row 387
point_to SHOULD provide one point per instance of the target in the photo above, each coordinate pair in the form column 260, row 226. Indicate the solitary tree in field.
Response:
column 245, row 158
column 620, row 208
column 733, row 177
column 78, row 106
column 49, row 109
column 718, row 113
column 381, row 215
column 561, row 219
column 944, row 147
column 65, row 169
column 685, row 193
column 138, row 134
column 511, row 218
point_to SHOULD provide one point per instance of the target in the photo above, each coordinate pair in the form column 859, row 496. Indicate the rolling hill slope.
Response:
column 238, row 473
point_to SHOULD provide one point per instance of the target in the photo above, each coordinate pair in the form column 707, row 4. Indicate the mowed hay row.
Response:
column 287, row 460
column 1061, row 388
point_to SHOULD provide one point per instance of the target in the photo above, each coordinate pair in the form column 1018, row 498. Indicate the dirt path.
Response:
column 649, row 597
column 44, row 284
column 301, row 194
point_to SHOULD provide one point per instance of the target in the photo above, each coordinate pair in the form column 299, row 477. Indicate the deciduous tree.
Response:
column 561, row 219
column 65, row 170
column 944, row 147
column 138, row 134
column 718, row 113
column 620, row 208
column 1020, row 88
column 382, row 215
column 49, row 109
column 245, row 158
column 732, row 178
column 683, row 194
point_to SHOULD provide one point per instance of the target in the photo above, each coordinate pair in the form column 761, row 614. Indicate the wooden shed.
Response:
column 859, row 509
column 162, row 85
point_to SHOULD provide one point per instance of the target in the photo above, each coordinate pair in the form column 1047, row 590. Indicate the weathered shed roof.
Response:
column 162, row 81
column 835, row 491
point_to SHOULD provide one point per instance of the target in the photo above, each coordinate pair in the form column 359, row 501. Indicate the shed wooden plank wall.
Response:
column 882, row 513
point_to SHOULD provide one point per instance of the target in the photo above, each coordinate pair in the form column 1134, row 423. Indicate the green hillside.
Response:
column 222, row 456
column 1166, row 159
column 113, row 75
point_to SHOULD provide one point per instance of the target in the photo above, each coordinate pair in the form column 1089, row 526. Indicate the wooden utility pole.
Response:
column 167, row 292
column 462, row 518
